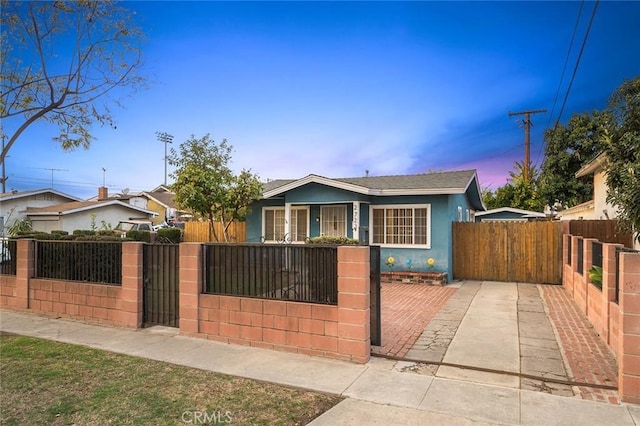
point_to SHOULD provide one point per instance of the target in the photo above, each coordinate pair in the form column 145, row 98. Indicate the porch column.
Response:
column 287, row 222
column 355, row 226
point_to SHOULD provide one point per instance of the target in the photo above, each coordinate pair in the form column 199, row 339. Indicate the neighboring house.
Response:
column 162, row 201
column 598, row 208
column 133, row 198
column 83, row 215
column 409, row 216
column 13, row 204
column 508, row 213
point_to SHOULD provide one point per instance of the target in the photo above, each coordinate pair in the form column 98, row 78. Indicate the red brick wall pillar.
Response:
column 629, row 361
column 190, row 286
column 354, row 336
column 132, row 285
column 608, row 285
column 25, row 269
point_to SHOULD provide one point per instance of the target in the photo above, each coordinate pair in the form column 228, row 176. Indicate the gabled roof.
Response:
column 6, row 196
column 161, row 188
column 592, row 166
column 524, row 213
column 164, row 198
column 442, row 183
column 80, row 206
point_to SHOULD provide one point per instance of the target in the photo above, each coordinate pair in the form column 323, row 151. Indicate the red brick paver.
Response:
column 588, row 356
column 406, row 311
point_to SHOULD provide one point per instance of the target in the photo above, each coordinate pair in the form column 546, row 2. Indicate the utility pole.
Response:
column 165, row 138
column 4, row 173
column 526, row 124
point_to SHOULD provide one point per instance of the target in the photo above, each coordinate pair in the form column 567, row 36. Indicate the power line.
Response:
column 566, row 62
column 575, row 69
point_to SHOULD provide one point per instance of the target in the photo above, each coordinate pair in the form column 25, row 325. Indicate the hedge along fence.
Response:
column 90, row 261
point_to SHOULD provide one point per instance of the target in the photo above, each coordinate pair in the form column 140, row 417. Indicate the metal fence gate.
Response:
column 161, row 291
column 375, row 307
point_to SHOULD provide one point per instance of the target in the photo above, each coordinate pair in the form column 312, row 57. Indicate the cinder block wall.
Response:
column 340, row 332
column 91, row 302
column 618, row 324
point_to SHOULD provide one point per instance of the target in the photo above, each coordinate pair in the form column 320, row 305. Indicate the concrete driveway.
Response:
column 524, row 336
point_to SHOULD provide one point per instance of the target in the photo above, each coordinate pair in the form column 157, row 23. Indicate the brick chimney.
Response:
column 103, row 193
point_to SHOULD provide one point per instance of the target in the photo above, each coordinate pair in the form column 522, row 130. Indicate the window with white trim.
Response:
column 274, row 224
column 333, row 221
column 401, row 225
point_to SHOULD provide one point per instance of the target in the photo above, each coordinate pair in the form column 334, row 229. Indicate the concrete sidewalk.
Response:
column 380, row 392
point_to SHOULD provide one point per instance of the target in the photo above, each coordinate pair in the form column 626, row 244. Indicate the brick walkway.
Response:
column 406, row 311
column 588, row 357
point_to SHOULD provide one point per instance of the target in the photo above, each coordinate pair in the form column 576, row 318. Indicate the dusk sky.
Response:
column 337, row 88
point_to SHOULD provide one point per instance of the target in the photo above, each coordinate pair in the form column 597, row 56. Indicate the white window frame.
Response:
column 400, row 206
column 287, row 237
column 345, row 230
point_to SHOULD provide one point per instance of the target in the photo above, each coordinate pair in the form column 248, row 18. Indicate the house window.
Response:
column 274, row 225
column 333, row 221
column 405, row 225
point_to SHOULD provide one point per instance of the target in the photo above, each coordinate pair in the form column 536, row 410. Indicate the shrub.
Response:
column 59, row 232
column 144, row 236
column 171, row 235
column 106, row 233
column 340, row 241
column 83, row 232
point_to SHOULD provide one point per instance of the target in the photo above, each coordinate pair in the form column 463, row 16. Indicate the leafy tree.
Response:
column 567, row 149
column 61, row 61
column 517, row 193
column 622, row 147
column 205, row 184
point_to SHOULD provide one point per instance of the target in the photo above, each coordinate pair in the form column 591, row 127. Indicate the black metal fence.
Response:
column 8, row 256
column 375, row 302
column 287, row 272
column 161, row 272
column 596, row 254
column 87, row 261
column 569, row 240
column 580, row 266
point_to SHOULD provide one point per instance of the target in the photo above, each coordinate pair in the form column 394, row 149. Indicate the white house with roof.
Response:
column 83, row 214
column 14, row 204
column 597, row 208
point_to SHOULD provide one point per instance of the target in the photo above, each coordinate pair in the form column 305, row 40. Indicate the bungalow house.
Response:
column 83, row 215
column 409, row 216
column 508, row 213
column 13, row 204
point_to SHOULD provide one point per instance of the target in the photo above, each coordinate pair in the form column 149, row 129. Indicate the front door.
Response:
column 333, row 221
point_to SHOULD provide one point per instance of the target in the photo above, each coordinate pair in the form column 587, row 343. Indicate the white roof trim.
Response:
column 364, row 190
column 592, row 166
column 91, row 207
column 511, row 210
column 28, row 193
column 316, row 179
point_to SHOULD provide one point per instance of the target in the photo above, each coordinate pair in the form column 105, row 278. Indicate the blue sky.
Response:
column 337, row 88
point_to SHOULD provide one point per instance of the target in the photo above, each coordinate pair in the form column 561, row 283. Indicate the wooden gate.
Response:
column 161, row 291
column 508, row 251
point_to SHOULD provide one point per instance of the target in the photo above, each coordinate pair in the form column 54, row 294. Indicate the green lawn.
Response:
column 45, row 382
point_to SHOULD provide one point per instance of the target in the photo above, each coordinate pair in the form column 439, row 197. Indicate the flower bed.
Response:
column 414, row 277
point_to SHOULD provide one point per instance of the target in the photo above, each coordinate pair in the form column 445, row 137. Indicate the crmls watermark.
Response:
column 205, row 417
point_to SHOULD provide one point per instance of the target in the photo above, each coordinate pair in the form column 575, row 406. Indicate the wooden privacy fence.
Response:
column 606, row 231
column 198, row 232
column 508, row 251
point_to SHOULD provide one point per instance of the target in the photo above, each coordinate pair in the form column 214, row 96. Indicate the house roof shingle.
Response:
column 76, row 206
